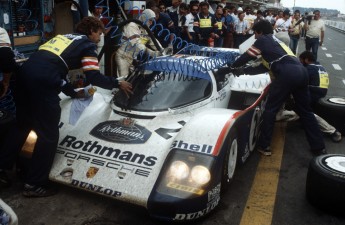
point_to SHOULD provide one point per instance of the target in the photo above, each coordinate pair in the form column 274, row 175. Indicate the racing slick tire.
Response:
column 332, row 109
column 230, row 159
column 325, row 183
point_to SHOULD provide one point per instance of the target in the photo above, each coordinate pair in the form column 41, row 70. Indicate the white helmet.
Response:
column 147, row 14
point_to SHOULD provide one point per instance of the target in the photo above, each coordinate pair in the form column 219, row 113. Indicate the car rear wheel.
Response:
column 325, row 186
column 230, row 159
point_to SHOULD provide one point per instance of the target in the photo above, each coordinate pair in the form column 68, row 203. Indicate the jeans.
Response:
column 294, row 43
column 313, row 44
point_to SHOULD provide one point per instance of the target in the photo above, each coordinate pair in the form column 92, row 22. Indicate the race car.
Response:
column 171, row 147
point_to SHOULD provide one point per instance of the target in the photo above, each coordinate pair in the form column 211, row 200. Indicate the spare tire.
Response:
column 332, row 109
column 325, row 186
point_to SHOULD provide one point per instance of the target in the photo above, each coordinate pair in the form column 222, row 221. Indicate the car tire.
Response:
column 230, row 159
column 332, row 109
column 325, row 186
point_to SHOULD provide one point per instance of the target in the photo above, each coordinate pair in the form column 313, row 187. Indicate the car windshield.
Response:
column 160, row 91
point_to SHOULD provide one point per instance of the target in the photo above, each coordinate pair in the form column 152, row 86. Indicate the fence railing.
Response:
column 337, row 25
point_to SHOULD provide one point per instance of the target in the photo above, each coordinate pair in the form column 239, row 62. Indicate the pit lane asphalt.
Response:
column 74, row 207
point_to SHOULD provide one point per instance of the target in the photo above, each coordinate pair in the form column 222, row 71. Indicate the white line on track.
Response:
column 329, row 39
column 344, row 82
column 324, row 48
column 329, row 55
column 336, row 67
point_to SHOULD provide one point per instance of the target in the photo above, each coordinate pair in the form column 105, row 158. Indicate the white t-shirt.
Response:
column 250, row 21
column 4, row 38
column 190, row 22
column 283, row 25
column 315, row 28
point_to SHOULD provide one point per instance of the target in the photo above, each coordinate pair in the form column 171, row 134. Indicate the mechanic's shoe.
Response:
column 336, row 136
column 319, row 152
column 265, row 151
column 5, row 181
column 38, row 191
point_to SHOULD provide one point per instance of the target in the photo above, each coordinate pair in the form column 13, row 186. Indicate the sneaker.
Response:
column 265, row 151
column 319, row 152
column 38, row 191
column 4, row 179
column 336, row 136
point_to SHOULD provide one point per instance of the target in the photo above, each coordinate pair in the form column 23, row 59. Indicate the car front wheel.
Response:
column 230, row 159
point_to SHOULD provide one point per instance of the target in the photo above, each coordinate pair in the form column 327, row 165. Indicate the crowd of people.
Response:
column 224, row 25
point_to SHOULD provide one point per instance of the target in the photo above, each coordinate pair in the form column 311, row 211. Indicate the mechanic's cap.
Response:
column 240, row 9
column 147, row 14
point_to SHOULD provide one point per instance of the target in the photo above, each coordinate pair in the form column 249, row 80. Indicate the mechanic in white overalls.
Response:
column 135, row 41
column 290, row 78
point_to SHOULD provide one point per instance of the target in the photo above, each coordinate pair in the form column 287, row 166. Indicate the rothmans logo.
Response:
column 121, row 131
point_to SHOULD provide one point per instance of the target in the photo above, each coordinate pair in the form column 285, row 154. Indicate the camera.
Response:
column 308, row 18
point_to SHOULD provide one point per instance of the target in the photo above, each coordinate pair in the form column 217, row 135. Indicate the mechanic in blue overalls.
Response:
column 290, row 77
column 38, row 85
column 318, row 87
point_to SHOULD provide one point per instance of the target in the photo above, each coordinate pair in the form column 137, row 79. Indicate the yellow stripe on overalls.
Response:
column 56, row 45
column 204, row 23
column 324, row 80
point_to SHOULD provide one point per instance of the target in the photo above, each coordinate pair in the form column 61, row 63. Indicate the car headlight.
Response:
column 178, row 170
column 200, row 175
column 186, row 174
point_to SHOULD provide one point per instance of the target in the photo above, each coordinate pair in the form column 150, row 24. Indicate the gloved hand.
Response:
column 169, row 50
column 237, row 71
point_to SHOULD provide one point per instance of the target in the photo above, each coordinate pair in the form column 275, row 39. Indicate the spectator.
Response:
column 315, row 33
column 162, row 7
column 163, row 21
column 7, row 62
column 219, row 33
column 189, row 34
column 249, row 17
column 270, row 18
column 295, row 31
column 290, row 78
column 229, row 28
column 175, row 6
column 282, row 26
column 207, row 24
column 178, row 17
column 222, row 3
column 259, row 16
column 241, row 29
column 38, row 84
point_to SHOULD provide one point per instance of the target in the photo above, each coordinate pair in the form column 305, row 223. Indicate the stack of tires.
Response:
column 332, row 109
column 325, row 186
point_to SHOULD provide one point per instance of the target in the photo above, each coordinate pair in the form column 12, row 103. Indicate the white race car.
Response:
column 173, row 145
